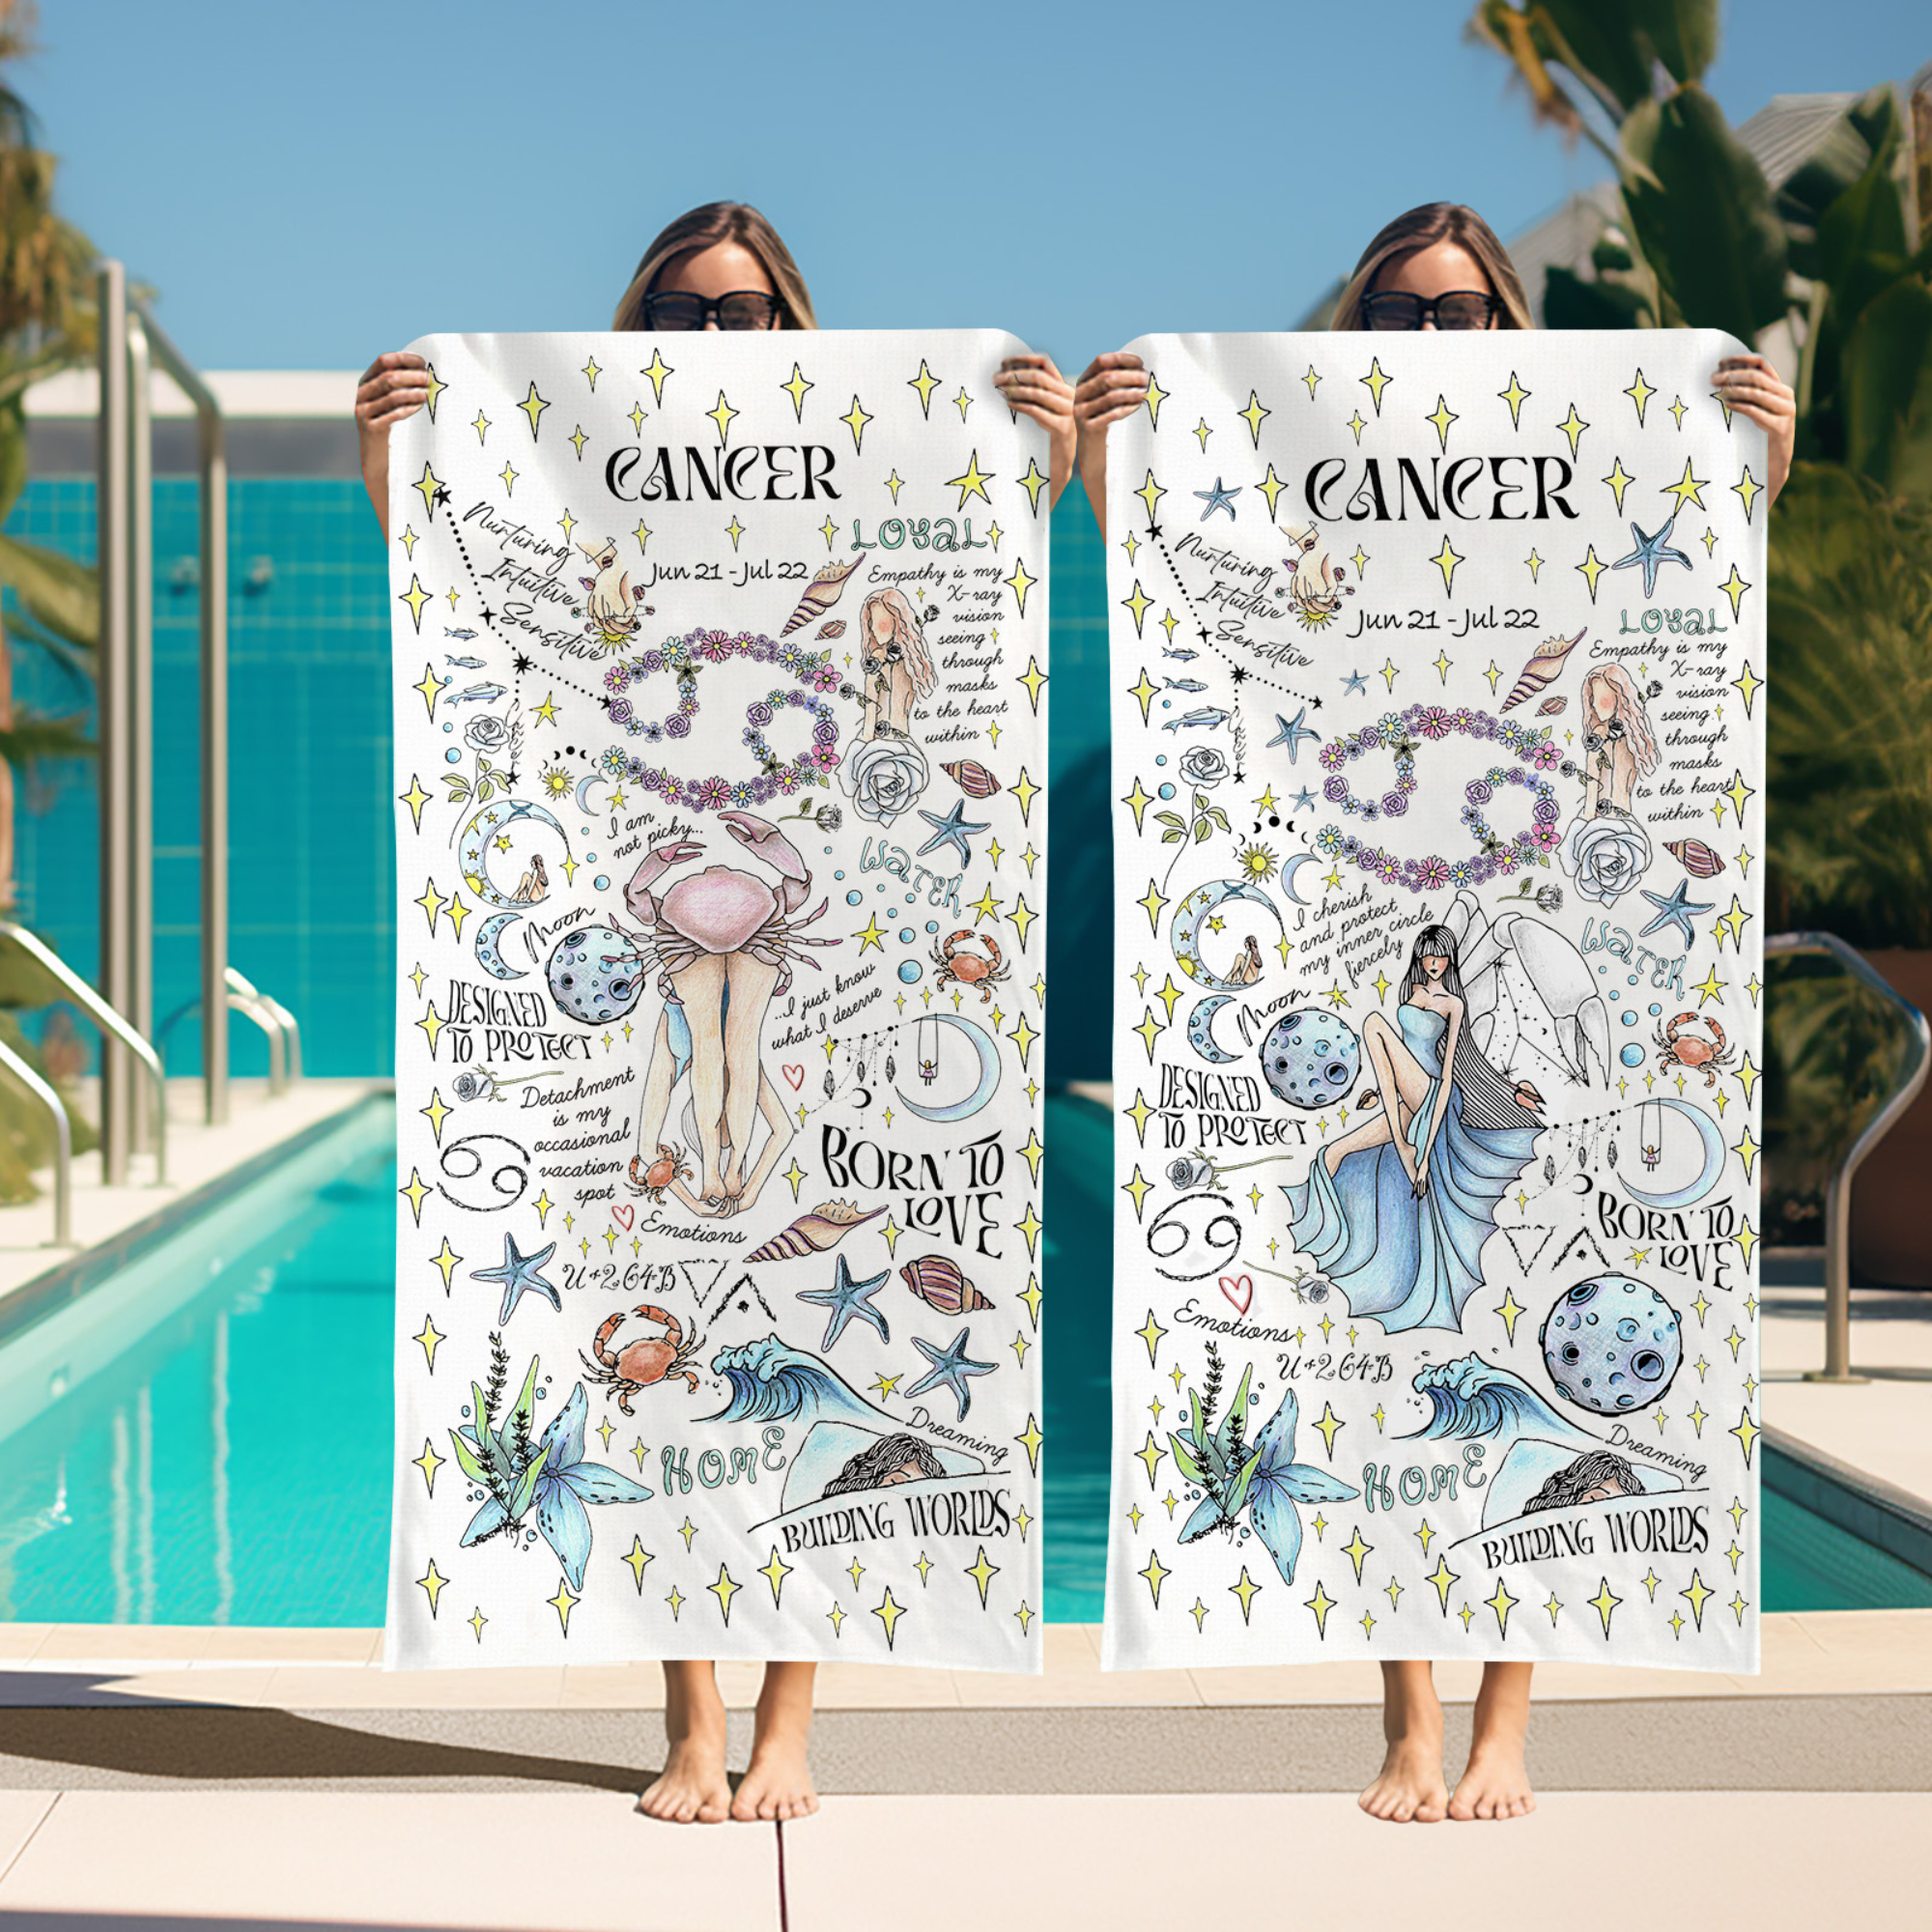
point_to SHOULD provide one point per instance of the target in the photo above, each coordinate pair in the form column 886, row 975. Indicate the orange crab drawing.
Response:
column 959, row 968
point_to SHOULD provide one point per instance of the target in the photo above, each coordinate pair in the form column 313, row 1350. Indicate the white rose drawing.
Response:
column 884, row 777
column 1605, row 855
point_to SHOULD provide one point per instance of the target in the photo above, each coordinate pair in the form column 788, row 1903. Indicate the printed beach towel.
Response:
column 720, row 719
column 1438, row 726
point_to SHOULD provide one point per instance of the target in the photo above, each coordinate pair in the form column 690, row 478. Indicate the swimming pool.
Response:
column 205, row 1438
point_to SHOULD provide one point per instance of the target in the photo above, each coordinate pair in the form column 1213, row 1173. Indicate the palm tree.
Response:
column 46, row 324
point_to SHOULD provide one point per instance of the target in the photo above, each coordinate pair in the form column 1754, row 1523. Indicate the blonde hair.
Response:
column 1422, row 228
column 705, row 228
column 906, row 630
column 1630, row 713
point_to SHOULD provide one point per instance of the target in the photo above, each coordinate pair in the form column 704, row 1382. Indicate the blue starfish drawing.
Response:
column 845, row 1299
column 1674, row 910
column 1354, row 683
column 1291, row 733
column 519, row 1277
column 1218, row 499
column 1650, row 552
column 1304, row 800
column 951, row 1366
column 952, row 830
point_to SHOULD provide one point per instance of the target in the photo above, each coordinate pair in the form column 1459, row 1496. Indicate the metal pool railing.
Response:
column 1839, row 1192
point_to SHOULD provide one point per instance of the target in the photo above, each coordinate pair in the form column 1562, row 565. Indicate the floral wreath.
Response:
column 1401, row 734
column 685, row 657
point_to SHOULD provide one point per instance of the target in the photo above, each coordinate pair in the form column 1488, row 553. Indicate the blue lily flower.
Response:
column 1269, row 1486
column 556, row 1478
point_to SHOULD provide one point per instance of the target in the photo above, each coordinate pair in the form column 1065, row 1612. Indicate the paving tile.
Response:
column 310, row 1688
column 1074, row 1677
column 21, row 1815
column 174, row 1645
column 19, row 1641
column 1146, row 1862
column 872, row 1687
column 230, row 1644
column 585, row 1860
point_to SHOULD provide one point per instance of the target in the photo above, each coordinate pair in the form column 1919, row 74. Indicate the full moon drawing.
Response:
column 485, row 830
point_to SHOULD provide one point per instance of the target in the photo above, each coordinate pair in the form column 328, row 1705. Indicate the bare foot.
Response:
column 1495, row 1785
column 1411, row 1788
column 778, row 1784
column 692, row 1788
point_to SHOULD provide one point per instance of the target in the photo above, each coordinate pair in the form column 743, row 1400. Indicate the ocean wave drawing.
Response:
column 772, row 1381
column 1470, row 1398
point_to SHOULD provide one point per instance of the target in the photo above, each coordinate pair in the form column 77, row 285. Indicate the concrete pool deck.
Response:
column 199, row 1157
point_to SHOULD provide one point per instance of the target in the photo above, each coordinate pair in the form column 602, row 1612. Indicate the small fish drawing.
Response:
column 480, row 694
column 1186, row 657
column 1209, row 715
column 1185, row 684
column 461, row 637
column 466, row 664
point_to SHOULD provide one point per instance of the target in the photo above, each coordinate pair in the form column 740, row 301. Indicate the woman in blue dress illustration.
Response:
column 1396, row 1212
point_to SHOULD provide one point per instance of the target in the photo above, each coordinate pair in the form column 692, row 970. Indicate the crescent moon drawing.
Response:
column 1194, row 908
column 989, row 1074
column 1706, row 1179
column 1289, row 870
column 1201, row 1028
column 583, row 785
column 489, row 953
column 473, row 850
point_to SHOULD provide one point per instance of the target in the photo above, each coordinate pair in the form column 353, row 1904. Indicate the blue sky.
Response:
column 306, row 186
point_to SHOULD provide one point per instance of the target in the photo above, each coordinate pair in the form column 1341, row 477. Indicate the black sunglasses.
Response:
column 1461, row 308
column 744, row 309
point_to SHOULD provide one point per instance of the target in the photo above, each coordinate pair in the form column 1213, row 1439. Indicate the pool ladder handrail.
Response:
column 277, row 1024
column 116, row 1027
column 1839, row 1189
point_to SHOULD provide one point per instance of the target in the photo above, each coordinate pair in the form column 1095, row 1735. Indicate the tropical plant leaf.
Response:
column 1569, row 302
column 1886, row 383
column 1238, row 1490
column 56, row 592
column 1701, row 210
column 1183, row 1458
column 526, row 1488
column 467, row 1460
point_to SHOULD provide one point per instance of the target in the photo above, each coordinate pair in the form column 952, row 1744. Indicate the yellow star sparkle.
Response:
column 1442, row 1576
column 1328, row 1426
column 1592, row 567
column 547, row 710
column 972, row 483
column 962, row 402
column 1139, row 1187
column 447, row 1260
column 1747, row 488
column 1734, row 921
column 1640, row 392
column 1698, row 1596
column 1747, row 1431
column 1376, row 382
column 1033, row 482
column 1321, row 1603
column 1151, row 1333
column 1030, row 1223
column 1271, row 486
column 1152, row 905
column 509, row 473
column 415, row 1193
column 1509, row 1310
column 1747, row 684
column 639, row 1558
column 734, row 529
column 431, row 1584
column 796, row 389
column 1033, row 1298
column 1709, row 988
column 432, row 903
column 1534, row 562
column 1021, row 919
column 1140, row 604
column 533, row 406
column 429, row 1462
column 1138, row 801
column 1516, row 395
column 427, row 1340
column 1356, row 423
column 1619, row 480
column 1734, row 587
column 774, row 1573
column 1357, row 1551
column 1502, row 1603
column 855, row 419
column 1442, row 417
column 1254, row 415
column 872, row 934
column 416, row 597
column 1686, row 489
column 1155, row 1575
column 1019, row 583
column 1150, row 1030
column 983, row 1572
column 1573, row 426
column 658, row 369
column 1445, row 561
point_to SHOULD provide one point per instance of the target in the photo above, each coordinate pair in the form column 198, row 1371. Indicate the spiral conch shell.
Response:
column 835, row 627
column 972, row 778
column 937, row 1281
column 820, row 594
column 1552, row 707
column 1542, row 669
column 1695, row 857
column 825, row 1227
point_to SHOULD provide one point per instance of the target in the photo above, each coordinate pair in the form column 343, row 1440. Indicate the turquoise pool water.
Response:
column 206, row 1439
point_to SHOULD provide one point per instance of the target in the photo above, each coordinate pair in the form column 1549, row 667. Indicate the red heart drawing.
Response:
column 624, row 1214
column 1240, row 1289
column 795, row 1075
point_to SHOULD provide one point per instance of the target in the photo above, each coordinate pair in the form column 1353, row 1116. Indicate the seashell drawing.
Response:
column 1542, row 669
column 1550, row 706
column 972, row 778
column 820, row 594
column 1695, row 857
column 833, row 627
column 825, row 1227
column 937, row 1281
